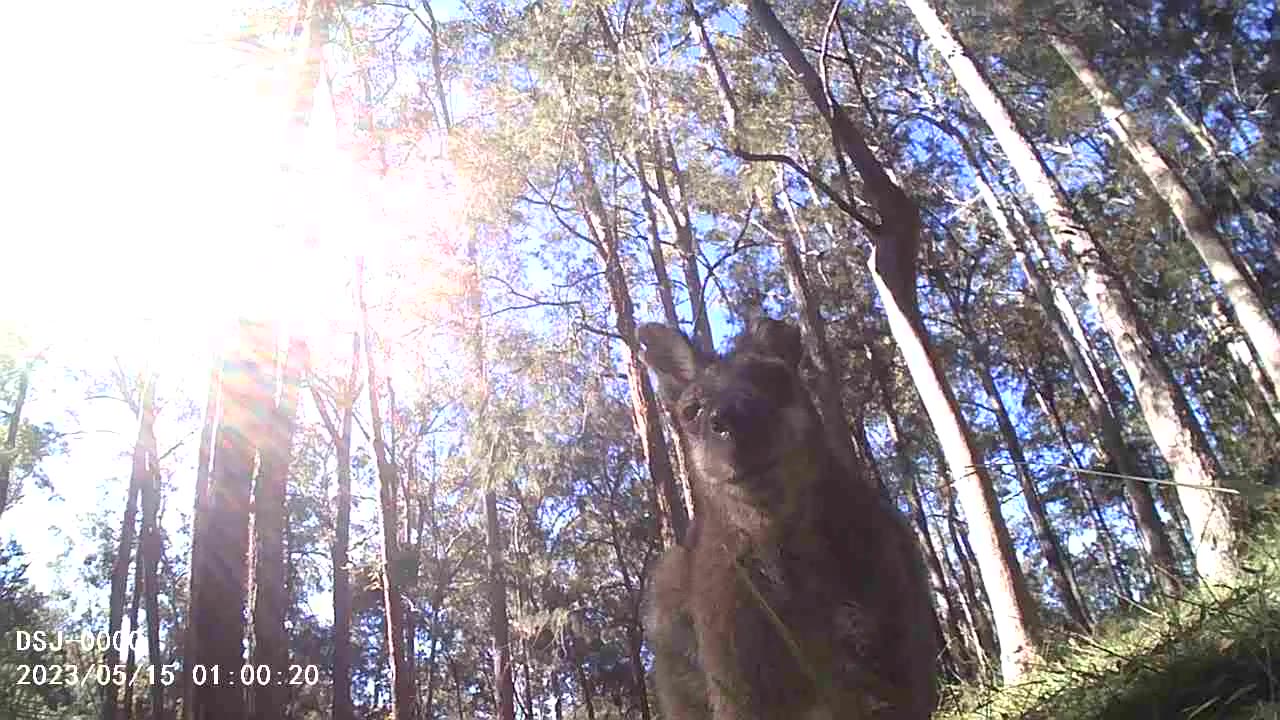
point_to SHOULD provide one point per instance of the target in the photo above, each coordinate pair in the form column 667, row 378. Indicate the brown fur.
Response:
column 800, row 593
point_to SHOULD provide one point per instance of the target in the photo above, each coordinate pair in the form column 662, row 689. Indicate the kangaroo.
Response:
column 800, row 593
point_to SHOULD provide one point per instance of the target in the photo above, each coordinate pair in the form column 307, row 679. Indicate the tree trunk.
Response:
column 393, row 600
column 457, row 689
column 954, row 639
column 674, row 209
column 308, row 69
column 645, row 415
column 666, row 297
column 1064, row 578
column 584, row 682
column 433, row 653
column 631, row 585
column 199, row 520
column 119, row 582
column 662, row 279
column 144, row 461
column 669, row 187
column 556, row 704
column 1257, row 217
column 340, row 435
column 1015, row 615
column 893, row 269
column 150, row 549
column 908, row 474
column 688, row 244
column 270, row 594
column 979, row 619
column 11, row 437
column 1105, row 536
column 1169, row 418
column 220, row 567
column 1258, row 392
column 1246, row 197
column 131, row 659
column 342, row 705
column 530, row 701
column 498, row 626
column 1066, row 327
column 1195, row 220
column 496, row 581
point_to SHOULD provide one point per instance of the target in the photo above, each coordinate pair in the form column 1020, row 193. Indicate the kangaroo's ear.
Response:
column 672, row 357
column 777, row 338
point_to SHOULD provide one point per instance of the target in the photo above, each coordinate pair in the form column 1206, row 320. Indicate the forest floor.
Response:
column 1210, row 654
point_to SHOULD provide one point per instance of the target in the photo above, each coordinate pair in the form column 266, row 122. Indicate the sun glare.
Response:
column 183, row 201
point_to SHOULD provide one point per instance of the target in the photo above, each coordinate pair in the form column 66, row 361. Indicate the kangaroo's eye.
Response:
column 690, row 412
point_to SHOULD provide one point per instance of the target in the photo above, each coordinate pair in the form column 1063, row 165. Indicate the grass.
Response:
column 1214, row 653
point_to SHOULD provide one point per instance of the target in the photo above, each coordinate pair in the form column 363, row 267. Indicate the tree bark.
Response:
column 1259, row 391
column 666, row 297
column 1256, row 214
column 1173, row 427
column 673, row 494
column 979, row 617
column 687, row 242
column 498, row 626
column 584, row 682
column 662, row 279
column 1093, row 384
column 496, row 581
column 669, row 187
column 457, row 689
column 634, row 592
column 313, row 16
column 1195, row 220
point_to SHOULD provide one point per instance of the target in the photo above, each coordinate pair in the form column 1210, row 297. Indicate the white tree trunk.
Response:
column 1214, row 249
column 1012, row 608
column 1174, row 429
column 895, row 244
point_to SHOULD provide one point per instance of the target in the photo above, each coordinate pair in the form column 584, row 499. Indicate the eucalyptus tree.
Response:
column 343, row 400
column 1165, row 408
column 1193, row 217
column 390, row 577
column 579, row 185
column 141, row 477
column 270, row 522
column 219, row 571
column 896, row 241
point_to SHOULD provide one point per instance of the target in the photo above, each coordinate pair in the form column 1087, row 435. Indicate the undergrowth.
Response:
column 1213, row 653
